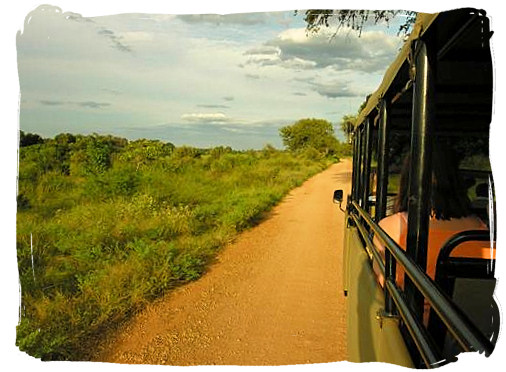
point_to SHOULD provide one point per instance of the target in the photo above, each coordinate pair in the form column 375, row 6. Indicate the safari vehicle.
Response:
column 439, row 86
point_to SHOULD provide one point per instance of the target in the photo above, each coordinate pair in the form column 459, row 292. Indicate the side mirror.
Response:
column 338, row 198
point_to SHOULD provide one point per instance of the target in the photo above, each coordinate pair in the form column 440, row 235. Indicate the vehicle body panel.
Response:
column 371, row 337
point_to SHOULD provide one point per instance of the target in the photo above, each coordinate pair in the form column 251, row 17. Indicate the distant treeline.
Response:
column 105, row 225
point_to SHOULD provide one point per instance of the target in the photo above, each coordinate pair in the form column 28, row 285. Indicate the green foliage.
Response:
column 347, row 126
column 119, row 181
column 268, row 149
column 356, row 19
column 28, row 139
column 41, row 158
column 144, row 152
column 187, row 152
column 22, row 202
column 311, row 153
column 65, row 138
column 98, row 156
column 217, row 152
column 105, row 225
column 317, row 134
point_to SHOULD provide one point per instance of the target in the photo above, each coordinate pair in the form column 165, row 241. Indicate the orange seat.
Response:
column 439, row 233
column 437, row 239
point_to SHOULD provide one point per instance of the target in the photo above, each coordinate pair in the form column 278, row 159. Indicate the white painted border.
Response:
column 12, row 20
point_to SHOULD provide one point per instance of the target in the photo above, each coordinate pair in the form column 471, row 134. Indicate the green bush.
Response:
column 98, row 156
column 129, row 222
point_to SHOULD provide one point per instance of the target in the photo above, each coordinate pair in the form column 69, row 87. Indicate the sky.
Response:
column 196, row 79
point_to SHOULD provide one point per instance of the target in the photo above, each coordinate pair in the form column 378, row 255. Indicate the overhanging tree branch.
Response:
column 355, row 19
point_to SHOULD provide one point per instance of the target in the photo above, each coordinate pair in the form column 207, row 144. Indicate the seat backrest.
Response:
column 465, row 271
column 474, row 297
column 478, row 249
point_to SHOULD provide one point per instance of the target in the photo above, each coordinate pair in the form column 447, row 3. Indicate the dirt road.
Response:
column 274, row 296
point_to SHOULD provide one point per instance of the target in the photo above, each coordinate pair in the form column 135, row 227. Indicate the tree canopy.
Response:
column 355, row 19
column 347, row 125
column 310, row 133
column 28, row 139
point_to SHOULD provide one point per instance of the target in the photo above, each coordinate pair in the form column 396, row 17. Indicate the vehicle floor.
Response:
column 273, row 297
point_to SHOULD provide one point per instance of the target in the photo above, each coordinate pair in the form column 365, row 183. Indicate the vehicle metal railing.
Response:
column 459, row 326
column 417, row 331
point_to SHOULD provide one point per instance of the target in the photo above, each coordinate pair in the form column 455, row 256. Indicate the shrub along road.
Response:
column 273, row 297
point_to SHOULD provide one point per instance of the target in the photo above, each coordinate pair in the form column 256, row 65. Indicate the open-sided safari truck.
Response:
column 438, row 88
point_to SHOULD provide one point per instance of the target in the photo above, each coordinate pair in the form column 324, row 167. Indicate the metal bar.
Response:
column 465, row 332
column 367, row 163
column 358, row 154
column 492, row 207
column 447, row 133
column 381, row 194
column 356, row 157
column 372, row 252
column 462, row 237
column 354, row 170
column 479, row 268
column 382, row 168
column 359, row 165
column 420, row 175
column 457, row 36
column 407, row 87
column 418, row 333
column 424, row 344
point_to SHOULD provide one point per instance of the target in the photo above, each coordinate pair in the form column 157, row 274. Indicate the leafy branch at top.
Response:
column 355, row 19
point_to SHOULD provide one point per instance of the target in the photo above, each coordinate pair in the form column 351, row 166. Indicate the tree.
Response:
column 143, row 151
column 65, row 138
column 98, row 155
column 347, row 125
column 355, row 19
column 28, row 139
column 310, row 133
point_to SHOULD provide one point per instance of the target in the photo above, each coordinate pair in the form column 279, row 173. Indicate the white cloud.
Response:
column 337, row 89
column 211, row 118
column 299, row 35
column 298, row 63
column 263, row 50
column 247, row 19
column 294, row 48
column 135, row 36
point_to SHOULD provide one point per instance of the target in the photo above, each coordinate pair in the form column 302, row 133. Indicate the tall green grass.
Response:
column 105, row 226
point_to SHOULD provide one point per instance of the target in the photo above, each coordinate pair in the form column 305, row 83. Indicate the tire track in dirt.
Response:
column 273, row 297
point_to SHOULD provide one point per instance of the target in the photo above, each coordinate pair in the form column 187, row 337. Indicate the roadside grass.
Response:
column 124, row 224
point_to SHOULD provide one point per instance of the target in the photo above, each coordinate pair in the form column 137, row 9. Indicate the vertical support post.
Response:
column 383, row 159
column 367, row 163
column 420, row 176
column 362, row 157
column 360, row 176
column 355, row 167
column 381, row 195
column 359, row 166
